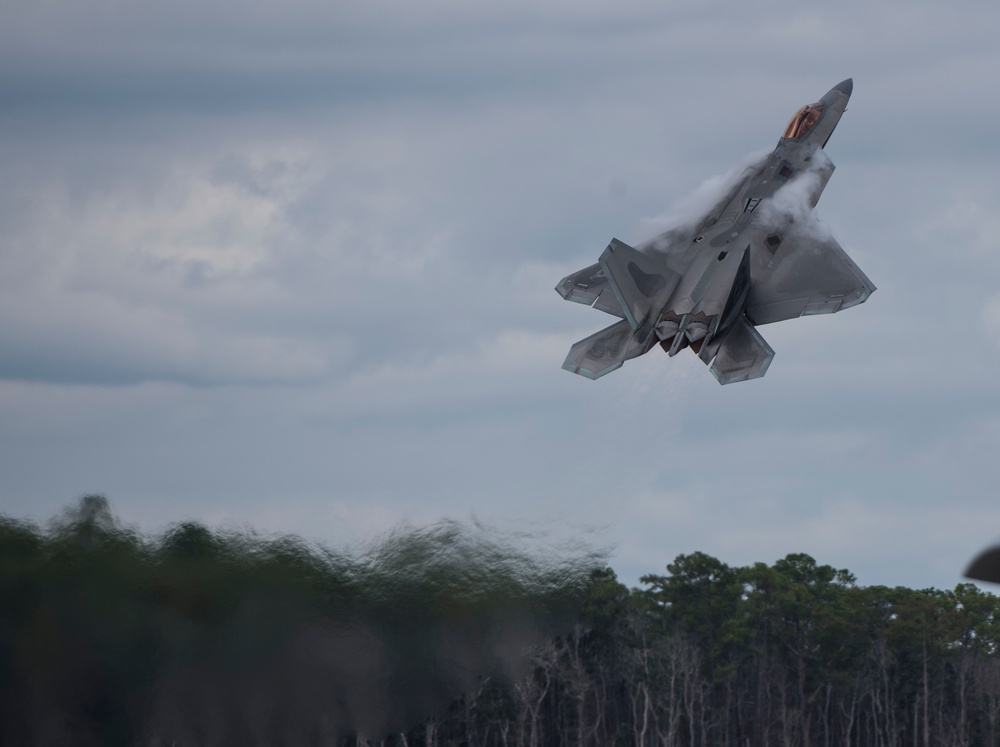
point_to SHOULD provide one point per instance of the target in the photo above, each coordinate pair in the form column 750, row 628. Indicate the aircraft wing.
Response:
column 590, row 286
column 806, row 275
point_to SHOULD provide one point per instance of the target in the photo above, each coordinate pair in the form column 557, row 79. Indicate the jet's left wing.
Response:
column 807, row 274
column 590, row 286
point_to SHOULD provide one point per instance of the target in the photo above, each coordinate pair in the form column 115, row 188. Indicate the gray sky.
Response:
column 293, row 267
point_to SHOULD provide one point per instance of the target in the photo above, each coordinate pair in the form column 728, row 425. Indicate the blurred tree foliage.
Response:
column 200, row 637
column 451, row 635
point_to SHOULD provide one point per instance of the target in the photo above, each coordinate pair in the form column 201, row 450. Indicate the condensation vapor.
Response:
column 196, row 637
column 685, row 214
column 793, row 203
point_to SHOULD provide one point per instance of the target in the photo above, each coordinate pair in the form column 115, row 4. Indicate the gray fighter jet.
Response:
column 985, row 566
column 758, row 256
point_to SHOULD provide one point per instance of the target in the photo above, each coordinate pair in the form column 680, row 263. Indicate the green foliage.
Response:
column 199, row 637
column 796, row 652
column 204, row 637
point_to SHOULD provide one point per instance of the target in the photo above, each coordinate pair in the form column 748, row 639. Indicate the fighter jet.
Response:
column 758, row 256
column 985, row 566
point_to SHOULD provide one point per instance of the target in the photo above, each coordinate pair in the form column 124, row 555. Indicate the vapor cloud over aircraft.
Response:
column 757, row 256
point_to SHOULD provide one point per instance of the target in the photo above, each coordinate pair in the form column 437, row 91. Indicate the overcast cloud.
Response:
column 293, row 267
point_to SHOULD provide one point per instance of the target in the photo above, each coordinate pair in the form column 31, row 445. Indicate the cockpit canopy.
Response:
column 803, row 120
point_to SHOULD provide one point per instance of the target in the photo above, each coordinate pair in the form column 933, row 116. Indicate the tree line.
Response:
column 452, row 636
column 794, row 653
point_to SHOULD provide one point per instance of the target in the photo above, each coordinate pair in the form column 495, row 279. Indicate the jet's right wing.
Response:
column 807, row 274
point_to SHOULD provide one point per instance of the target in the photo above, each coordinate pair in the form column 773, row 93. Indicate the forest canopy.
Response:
column 455, row 635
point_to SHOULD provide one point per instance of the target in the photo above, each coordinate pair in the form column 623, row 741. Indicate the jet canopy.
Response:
column 803, row 120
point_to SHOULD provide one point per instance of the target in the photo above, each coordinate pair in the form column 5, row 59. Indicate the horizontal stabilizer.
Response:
column 606, row 350
column 641, row 284
column 741, row 355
